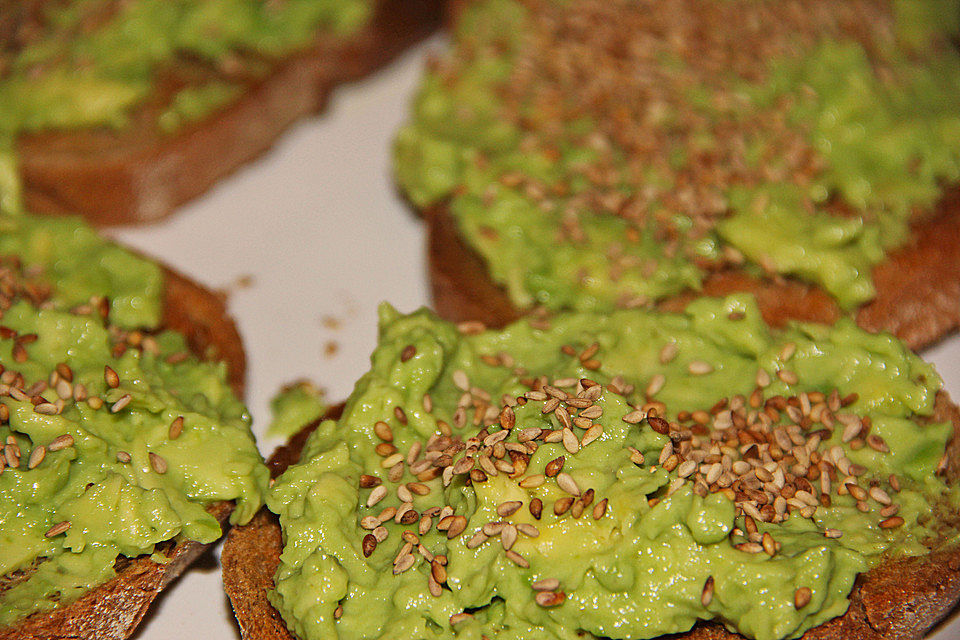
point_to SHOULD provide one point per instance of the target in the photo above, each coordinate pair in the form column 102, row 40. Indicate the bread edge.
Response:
column 114, row 609
column 140, row 183
column 902, row 598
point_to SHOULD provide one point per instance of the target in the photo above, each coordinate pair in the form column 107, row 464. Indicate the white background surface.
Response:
column 318, row 226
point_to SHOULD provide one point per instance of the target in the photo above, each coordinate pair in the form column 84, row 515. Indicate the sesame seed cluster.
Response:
column 591, row 447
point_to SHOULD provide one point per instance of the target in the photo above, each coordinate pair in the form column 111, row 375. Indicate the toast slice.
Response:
column 113, row 609
column 918, row 286
column 139, row 174
column 901, row 598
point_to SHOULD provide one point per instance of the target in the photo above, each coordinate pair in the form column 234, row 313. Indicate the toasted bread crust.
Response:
column 113, row 610
column 900, row 598
column 918, row 285
column 136, row 175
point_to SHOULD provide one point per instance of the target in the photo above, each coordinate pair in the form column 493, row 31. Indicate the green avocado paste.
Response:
column 114, row 438
column 611, row 153
column 94, row 63
column 619, row 475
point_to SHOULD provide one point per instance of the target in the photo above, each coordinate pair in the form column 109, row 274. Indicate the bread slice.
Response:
column 900, row 598
column 918, row 285
column 114, row 609
column 138, row 174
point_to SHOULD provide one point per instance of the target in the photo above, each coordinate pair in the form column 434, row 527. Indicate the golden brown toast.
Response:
column 139, row 174
column 114, row 609
column 918, row 285
column 901, row 598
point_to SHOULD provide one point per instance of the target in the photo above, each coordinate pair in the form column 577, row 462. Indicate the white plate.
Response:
column 318, row 225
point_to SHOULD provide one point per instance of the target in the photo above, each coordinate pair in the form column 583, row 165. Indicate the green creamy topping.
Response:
column 88, row 63
column 600, row 154
column 299, row 404
column 113, row 439
column 622, row 474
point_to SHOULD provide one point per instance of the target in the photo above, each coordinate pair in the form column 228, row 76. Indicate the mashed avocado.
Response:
column 605, row 154
column 113, row 437
column 622, row 474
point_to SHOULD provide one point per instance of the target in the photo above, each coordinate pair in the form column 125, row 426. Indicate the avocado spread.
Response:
column 622, row 475
column 113, row 437
column 90, row 63
column 602, row 154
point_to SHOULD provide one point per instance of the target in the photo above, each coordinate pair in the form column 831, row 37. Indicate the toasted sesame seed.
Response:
column 655, row 385
column 380, row 533
column 47, row 409
column 566, row 482
column 668, row 352
column 508, row 537
column 110, row 377
column 536, row 508
column 457, row 618
column 570, row 441
column 461, row 380
column 801, row 597
column 368, row 545
column 389, row 461
column 891, row 522
column 591, row 434
column 121, row 403
column 592, row 412
column 158, row 463
column 507, row 509
column 368, row 481
column 832, row 533
column 36, row 457
column 518, row 560
column 528, row 529
column 787, row 377
column 123, row 456
column 699, row 367
column 379, row 493
column 456, row 527
column 383, row 431
column 477, row 539
column 600, row 509
column 550, row 598
column 532, row 482
column 408, row 352
column 562, row 505
column 554, row 466
column 406, row 561
column 57, row 529
column 60, row 442
column 546, row 584
column 634, row 416
column 706, row 595
column 176, row 428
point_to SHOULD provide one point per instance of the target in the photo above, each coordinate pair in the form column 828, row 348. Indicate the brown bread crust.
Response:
column 900, row 598
column 113, row 610
column 918, row 285
column 138, row 175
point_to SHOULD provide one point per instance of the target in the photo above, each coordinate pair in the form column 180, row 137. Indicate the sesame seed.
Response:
column 36, row 457
column 123, row 457
column 554, row 466
column 518, row 560
column 368, row 481
column 532, row 482
column 57, row 529
column 600, row 509
column 110, row 377
column 508, row 537
column 634, row 416
column 176, row 428
column 389, row 461
column 562, row 505
column 406, row 561
column 668, row 352
column 801, row 597
column 60, row 442
column 546, row 584
column 655, row 385
column 706, row 595
column 457, row 618
column 368, row 545
column 699, row 368
column 47, row 409
column 383, row 431
column 477, row 539
column 570, row 441
column 157, row 463
column 787, row 377
column 591, row 434
column 379, row 493
column 507, row 509
column 566, row 482
column 536, row 508
column 550, row 598
column 832, row 533
column 891, row 522
column 121, row 403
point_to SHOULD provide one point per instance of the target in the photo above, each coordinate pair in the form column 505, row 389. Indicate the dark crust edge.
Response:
column 126, row 178
column 918, row 285
column 112, row 610
column 900, row 598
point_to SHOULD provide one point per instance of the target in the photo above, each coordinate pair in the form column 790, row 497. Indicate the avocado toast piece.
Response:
column 125, row 138
column 798, row 150
column 109, row 599
column 598, row 474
